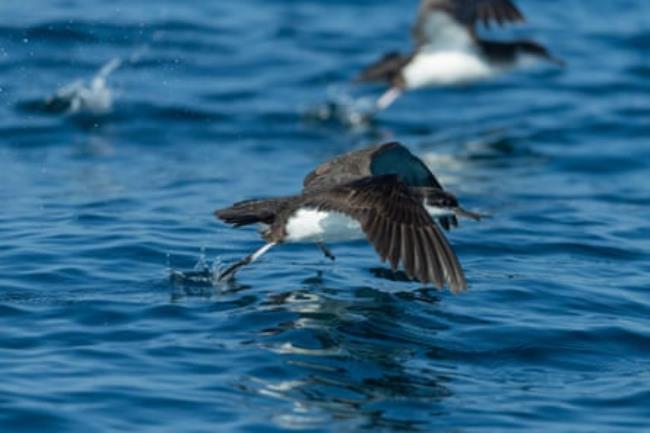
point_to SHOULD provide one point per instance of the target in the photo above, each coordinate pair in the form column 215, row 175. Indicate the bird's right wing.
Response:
column 387, row 158
column 341, row 169
column 398, row 226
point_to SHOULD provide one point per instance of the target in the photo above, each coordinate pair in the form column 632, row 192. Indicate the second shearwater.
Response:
column 448, row 50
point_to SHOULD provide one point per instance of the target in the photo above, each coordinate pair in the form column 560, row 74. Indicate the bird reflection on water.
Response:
column 351, row 356
column 347, row 357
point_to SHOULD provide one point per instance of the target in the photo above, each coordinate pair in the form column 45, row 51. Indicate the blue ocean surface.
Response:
column 124, row 125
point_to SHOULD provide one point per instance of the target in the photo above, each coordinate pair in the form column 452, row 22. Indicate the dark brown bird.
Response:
column 383, row 193
column 448, row 50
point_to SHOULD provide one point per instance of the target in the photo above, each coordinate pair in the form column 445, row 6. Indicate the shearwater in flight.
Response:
column 448, row 50
column 383, row 193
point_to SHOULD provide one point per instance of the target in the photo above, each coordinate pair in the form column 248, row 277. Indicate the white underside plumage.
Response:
column 446, row 67
column 447, row 56
column 312, row 225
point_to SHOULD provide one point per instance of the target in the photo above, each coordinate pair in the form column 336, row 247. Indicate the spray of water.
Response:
column 342, row 107
column 93, row 97
column 204, row 275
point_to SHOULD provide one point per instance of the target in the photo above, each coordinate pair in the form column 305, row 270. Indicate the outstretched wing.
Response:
column 387, row 158
column 341, row 169
column 447, row 18
column 397, row 225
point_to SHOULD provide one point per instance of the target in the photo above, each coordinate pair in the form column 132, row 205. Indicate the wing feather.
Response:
column 409, row 252
column 395, row 245
column 436, row 269
column 441, row 262
column 450, row 262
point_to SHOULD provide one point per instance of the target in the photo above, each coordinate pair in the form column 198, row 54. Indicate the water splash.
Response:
column 93, row 97
column 90, row 98
column 204, row 274
column 343, row 108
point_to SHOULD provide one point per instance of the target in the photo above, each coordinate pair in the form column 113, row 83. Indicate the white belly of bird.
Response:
column 444, row 68
column 312, row 225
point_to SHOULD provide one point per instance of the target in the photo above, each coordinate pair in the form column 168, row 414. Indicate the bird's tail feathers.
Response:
column 251, row 212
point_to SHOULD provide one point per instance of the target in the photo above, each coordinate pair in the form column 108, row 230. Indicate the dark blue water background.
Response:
column 208, row 107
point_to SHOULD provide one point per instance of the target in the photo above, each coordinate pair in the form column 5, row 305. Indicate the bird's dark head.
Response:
column 534, row 49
